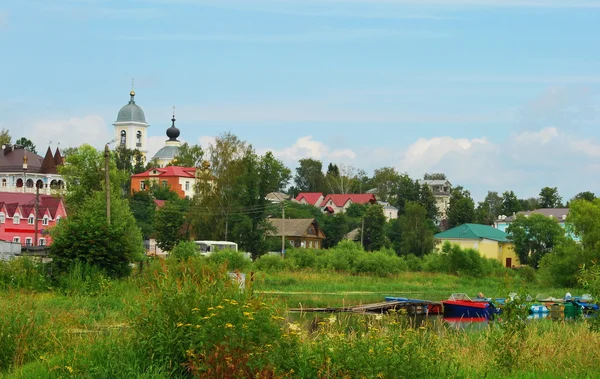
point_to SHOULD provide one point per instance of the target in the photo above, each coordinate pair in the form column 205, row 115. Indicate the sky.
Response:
column 498, row 94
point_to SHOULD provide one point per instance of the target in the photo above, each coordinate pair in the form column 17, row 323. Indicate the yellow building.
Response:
column 489, row 241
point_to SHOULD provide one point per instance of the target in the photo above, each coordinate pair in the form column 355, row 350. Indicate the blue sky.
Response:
column 499, row 94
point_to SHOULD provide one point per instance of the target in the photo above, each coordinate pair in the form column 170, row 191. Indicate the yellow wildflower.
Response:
column 233, row 302
column 69, row 369
column 179, row 324
column 228, row 325
column 195, row 309
column 211, row 309
column 197, row 326
column 219, row 307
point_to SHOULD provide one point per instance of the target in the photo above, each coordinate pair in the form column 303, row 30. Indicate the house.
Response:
column 277, row 197
column 312, row 198
column 490, row 242
column 340, row 202
column 559, row 214
column 22, row 171
column 441, row 192
column 18, row 218
column 180, row 180
column 302, row 232
column 390, row 212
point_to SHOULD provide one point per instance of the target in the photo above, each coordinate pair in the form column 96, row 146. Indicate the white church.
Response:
column 131, row 131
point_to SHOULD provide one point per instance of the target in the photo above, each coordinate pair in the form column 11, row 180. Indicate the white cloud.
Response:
column 307, row 147
column 543, row 136
column 205, row 142
column 91, row 129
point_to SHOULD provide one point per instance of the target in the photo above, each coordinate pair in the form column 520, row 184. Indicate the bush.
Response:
column 270, row 263
column 559, row 268
column 413, row 262
column 302, row 258
column 379, row 264
column 235, row 260
column 184, row 250
column 452, row 259
column 83, row 280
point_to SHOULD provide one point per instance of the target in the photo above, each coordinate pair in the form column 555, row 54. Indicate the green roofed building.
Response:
column 489, row 241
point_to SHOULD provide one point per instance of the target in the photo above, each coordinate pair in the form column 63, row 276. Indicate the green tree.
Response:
column 86, row 237
column 129, row 160
column 549, row 198
column 510, row 203
column 275, row 176
column 407, row 190
column 427, row 201
column 386, row 181
column 461, row 208
column 534, row 236
column 416, row 233
column 373, row 234
column 529, row 204
column 489, row 209
column 309, row 176
column 83, row 172
column 343, row 179
column 335, row 228
column 559, row 267
column 143, row 209
column 26, row 143
column 583, row 221
column 587, row 195
column 333, row 170
column 188, row 156
column 5, row 138
column 169, row 225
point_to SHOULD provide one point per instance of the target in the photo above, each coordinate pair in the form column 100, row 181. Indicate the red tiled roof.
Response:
column 310, row 197
column 12, row 201
column 340, row 199
column 159, row 203
column 172, row 171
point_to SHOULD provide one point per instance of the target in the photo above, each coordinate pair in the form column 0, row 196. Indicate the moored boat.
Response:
column 461, row 305
column 432, row 307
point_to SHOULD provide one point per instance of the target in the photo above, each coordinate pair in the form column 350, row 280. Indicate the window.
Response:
column 17, row 239
column 138, row 138
column 42, row 242
column 187, row 186
column 45, row 220
column 165, row 183
column 2, row 218
column 16, row 219
column 142, row 186
column 3, row 182
column 31, row 220
column 311, row 230
column 58, row 218
column 123, row 137
column 28, row 241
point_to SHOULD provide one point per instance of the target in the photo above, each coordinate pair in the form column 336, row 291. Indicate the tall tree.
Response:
column 583, row 221
column 427, row 201
column 169, row 225
column 345, row 180
column 510, row 203
column 489, row 209
column 143, row 209
column 373, row 233
column 416, row 234
column 86, row 237
column 534, row 236
column 529, row 204
column 587, row 196
column 333, row 170
column 84, row 172
column 461, row 208
column 5, row 138
column 26, row 143
column 386, row 181
column 309, row 176
column 549, row 198
column 407, row 190
column 275, row 175
column 188, row 156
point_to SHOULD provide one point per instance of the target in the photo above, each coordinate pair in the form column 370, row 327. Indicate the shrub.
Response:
column 303, row 258
column 83, row 280
column 379, row 264
column 235, row 260
column 413, row 262
column 184, row 250
column 270, row 263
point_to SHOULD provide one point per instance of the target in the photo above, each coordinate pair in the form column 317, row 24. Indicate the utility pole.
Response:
column 37, row 210
column 362, row 233
column 282, row 229
column 107, row 180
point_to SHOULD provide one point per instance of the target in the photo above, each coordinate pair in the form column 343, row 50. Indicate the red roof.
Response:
column 341, row 199
column 172, row 171
column 159, row 203
column 310, row 197
column 27, row 201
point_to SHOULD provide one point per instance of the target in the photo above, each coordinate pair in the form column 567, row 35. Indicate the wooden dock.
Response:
column 410, row 307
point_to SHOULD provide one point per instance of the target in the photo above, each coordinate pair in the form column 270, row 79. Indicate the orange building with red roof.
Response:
column 180, row 180
column 18, row 218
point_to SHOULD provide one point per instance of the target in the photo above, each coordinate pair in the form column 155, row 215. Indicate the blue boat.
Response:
column 461, row 305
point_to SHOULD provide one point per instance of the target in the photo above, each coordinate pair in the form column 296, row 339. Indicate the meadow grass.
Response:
column 188, row 319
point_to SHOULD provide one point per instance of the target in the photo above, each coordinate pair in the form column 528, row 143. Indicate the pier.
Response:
column 421, row 307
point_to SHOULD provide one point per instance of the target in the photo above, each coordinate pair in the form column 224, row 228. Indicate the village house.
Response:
column 180, row 180
column 441, row 192
column 490, row 242
column 390, row 212
column 335, row 203
column 303, row 232
column 23, row 171
column 312, row 198
column 559, row 214
column 20, row 223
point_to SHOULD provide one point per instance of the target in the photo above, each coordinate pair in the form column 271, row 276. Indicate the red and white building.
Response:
column 18, row 218
column 335, row 203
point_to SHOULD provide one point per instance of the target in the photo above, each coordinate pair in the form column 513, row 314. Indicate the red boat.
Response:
column 460, row 305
